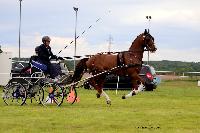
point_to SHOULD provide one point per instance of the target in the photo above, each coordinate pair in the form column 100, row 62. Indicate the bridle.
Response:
column 146, row 41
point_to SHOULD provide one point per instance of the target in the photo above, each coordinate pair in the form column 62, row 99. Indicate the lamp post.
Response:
column 76, row 10
column 110, row 43
column 149, row 19
column 20, row 14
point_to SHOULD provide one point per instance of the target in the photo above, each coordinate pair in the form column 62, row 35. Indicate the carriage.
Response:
column 33, row 85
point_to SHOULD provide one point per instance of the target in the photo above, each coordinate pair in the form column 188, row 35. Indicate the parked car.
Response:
column 147, row 73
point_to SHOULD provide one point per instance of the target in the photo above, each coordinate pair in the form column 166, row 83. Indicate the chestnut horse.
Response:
column 126, row 63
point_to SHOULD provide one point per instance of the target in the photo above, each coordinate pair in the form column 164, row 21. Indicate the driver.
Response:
column 45, row 55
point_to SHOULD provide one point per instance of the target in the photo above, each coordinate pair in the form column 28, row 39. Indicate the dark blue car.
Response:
column 147, row 73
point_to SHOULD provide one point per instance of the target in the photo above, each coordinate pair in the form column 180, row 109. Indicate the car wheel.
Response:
column 149, row 88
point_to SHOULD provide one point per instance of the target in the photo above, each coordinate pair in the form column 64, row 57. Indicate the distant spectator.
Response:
column 33, row 58
column 1, row 50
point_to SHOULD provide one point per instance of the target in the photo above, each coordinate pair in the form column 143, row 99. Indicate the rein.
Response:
column 129, row 51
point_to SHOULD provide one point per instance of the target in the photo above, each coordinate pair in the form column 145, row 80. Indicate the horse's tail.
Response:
column 79, row 70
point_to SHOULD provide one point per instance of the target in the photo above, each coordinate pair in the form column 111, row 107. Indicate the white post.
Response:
column 117, row 84
column 76, row 10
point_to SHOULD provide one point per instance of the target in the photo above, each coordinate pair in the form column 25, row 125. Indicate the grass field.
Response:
column 174, row 107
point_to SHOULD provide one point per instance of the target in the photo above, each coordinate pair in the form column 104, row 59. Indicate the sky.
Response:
column 175, row 25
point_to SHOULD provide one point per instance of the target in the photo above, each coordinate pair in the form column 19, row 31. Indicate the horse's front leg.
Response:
column 137, row 86
column 133, row 91
column 140, row 84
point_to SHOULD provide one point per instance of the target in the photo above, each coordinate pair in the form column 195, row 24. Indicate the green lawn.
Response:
column 174, row 107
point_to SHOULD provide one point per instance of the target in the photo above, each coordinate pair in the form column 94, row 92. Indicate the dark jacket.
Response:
column 45, row 54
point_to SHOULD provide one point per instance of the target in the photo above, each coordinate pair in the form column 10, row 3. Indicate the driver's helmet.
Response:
column 46, row 38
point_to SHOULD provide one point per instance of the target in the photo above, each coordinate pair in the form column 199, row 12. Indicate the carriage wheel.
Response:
column 14, row 94
column 70, row 94
column 35, row 94
column 53, row 95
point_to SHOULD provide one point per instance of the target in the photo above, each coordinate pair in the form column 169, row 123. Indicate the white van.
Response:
column 5, row 67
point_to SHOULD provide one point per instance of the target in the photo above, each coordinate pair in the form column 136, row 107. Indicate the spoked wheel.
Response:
column 70, row 94
column 14, row 94
column 53, row 95
column 35, row 94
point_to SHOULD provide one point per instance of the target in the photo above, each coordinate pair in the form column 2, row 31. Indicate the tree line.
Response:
column 175, row 66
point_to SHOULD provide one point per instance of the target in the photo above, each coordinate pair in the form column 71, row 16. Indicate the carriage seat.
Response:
column 39, row 65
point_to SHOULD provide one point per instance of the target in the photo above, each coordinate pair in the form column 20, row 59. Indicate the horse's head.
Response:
column 148, row 41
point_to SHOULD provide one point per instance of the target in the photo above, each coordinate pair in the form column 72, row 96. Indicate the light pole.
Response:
column 20, row 15
column 110, row 43
column 76, row 10
column 149, row 19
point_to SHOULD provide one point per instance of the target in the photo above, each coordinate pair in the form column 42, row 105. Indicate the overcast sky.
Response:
column 175, row 25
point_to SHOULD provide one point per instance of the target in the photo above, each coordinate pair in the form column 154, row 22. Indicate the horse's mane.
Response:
column 137, row 37
column 135, row 40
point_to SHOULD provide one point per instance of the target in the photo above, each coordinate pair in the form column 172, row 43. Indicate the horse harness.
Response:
column 133, row 60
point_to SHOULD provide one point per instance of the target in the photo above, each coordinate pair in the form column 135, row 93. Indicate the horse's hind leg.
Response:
column 108, row 101
column 98, row 86
column 93, row 83
column 97, row 83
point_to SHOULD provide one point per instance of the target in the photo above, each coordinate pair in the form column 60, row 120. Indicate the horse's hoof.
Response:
column 98, row 95
column 133, row 93
column 123, row 97
column 108, row 102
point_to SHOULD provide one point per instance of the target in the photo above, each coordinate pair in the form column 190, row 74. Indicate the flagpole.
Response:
column 20, row 13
